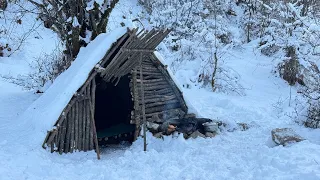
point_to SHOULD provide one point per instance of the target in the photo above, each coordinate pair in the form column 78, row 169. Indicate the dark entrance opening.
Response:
column 113, row 108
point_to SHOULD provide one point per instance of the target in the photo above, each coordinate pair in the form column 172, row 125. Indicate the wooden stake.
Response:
column 76, row 125
column 143, row 107
column 94, row 129
column 135, row 95
column 80, row 125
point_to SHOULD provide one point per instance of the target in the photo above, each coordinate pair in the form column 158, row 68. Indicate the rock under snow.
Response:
column 243, row 126
column 210, row 134
column 197, row 134
column 158, row 135
column 212, row 127
column 153, row 126
column 285, row 136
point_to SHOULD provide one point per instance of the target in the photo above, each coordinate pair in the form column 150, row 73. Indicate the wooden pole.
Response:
column 137, row 109
column 94, row 130
column 143, row 107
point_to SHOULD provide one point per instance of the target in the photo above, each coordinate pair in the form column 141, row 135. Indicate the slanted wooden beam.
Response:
column 138, row 50
column 94, row 130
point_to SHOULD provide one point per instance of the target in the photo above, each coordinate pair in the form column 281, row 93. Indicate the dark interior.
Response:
column 113, row 108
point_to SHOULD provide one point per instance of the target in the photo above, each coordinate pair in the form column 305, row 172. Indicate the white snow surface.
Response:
column 45, row 111
column 231, row 155
column 237, row 155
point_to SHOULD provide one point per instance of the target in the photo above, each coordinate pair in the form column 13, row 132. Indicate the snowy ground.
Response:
column 231, row 155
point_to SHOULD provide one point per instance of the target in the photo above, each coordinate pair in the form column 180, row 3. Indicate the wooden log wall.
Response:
column 75, row 128
column 163, row 100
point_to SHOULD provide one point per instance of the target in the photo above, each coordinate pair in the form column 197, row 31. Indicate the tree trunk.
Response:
column 72, row 21
column 3, row 4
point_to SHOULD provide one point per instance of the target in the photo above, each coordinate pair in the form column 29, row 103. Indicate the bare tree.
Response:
column 3, row 4
column 77, row 22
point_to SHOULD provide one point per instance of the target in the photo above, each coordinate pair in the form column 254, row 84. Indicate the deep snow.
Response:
column 231, row 155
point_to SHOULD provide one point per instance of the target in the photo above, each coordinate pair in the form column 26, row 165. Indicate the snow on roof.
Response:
column 45, row 111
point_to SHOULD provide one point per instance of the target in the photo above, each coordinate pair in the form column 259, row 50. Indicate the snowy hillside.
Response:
column 249, row 92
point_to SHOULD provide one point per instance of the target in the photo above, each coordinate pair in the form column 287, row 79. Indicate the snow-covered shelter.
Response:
column 106, row 92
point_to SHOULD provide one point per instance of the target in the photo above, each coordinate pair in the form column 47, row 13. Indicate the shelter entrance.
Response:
column 113, row 108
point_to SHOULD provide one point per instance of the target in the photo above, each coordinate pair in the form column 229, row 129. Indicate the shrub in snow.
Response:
column 289, row 69
column 283, row 25
column 199, row 30
column 4, row 49
column 311, row 95
column 45, row 69
column 313, row 119
column 269, row 50
column 290, row 32
column 13, row 32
